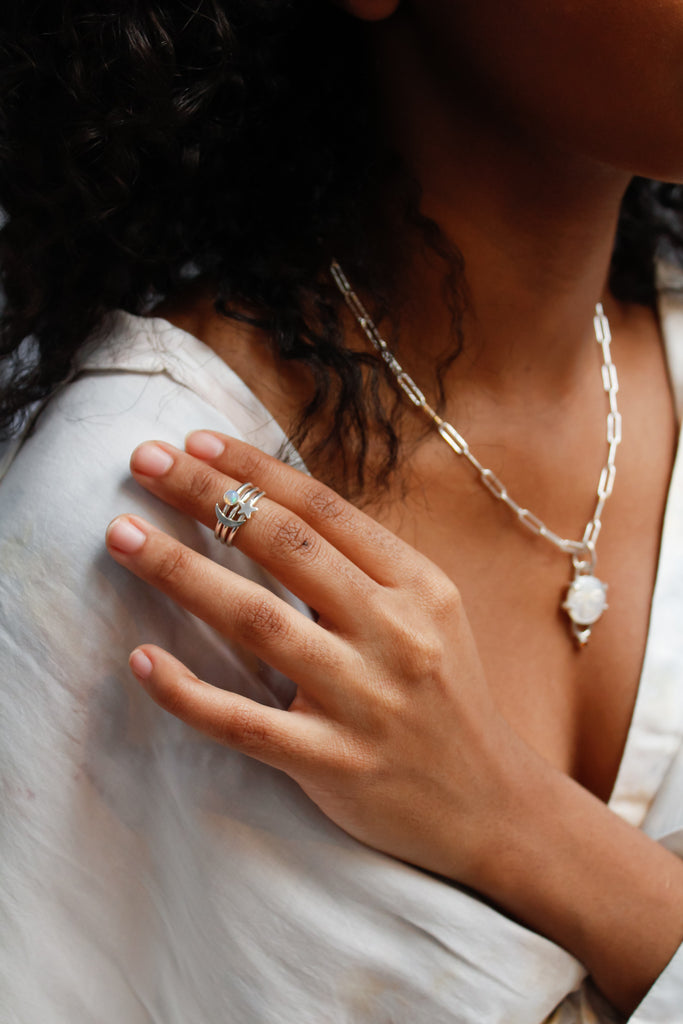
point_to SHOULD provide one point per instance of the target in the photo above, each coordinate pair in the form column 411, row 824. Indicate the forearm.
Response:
column 572, row 870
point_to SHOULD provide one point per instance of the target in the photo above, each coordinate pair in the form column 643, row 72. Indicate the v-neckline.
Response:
column 656, row 728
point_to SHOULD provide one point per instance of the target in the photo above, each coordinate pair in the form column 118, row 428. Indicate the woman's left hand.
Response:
column 393, row 732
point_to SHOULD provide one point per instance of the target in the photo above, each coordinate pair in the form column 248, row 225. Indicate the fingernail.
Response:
column 124, row 536
column 151, row 460
column 140, row 664
column 203, row 445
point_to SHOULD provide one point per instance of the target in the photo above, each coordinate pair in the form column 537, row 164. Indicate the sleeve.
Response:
column 663, row 1004
column 99, row 795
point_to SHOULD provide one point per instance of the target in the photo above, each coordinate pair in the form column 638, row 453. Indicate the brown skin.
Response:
column 524, row 123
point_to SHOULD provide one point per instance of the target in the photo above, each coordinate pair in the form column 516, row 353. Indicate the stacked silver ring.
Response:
column 239, row 505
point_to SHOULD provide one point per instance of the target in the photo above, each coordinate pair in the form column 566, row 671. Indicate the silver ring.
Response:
column 239, row 505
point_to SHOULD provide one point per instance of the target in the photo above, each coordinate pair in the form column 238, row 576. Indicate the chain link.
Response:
column 583, row 551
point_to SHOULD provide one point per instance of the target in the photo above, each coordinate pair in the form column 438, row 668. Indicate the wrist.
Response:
column 567, row 867
column 481, row 845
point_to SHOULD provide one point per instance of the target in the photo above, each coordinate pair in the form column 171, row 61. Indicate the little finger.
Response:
column 283, row 739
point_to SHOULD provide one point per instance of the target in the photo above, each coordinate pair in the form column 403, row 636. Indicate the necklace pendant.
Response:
column 585, row 602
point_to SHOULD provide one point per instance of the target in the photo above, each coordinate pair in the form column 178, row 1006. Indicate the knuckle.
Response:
column 441, row 596
column 288, row 535
column 203, row 486
column 258, row 621
column 422, row 651
column 171, row 566
column 252, row 463
column 391, row 703
column 242, row 728
column 417, row 642
column 324, row 505
column 428, row 652
column 312, row 650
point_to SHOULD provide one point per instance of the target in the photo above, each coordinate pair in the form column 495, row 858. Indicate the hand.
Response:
column 393, row 732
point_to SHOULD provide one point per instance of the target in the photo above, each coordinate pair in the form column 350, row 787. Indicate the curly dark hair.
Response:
column 144, row 143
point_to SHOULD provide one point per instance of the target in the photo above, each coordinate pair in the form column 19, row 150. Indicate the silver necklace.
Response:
column 586, row 597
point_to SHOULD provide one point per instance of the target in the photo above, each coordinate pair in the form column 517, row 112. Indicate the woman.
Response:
column 283, row 186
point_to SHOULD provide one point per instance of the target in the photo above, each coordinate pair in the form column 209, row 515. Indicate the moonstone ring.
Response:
column 239, row 505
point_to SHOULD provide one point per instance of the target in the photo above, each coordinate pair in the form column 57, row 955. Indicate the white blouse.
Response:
column 149, row 875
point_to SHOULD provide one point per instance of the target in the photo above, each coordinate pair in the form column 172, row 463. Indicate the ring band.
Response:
column 238, row 507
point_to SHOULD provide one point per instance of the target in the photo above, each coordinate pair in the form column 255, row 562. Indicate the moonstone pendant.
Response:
column 585, row 602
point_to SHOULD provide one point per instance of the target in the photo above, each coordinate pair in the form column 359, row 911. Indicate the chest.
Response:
column 572, row 705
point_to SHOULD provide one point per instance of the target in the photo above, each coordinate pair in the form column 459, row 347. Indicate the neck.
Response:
column 535, row 225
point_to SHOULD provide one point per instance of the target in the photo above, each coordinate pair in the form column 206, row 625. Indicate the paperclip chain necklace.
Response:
column 585, row 600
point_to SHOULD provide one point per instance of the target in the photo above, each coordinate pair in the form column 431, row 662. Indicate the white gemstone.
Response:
column 586, row 600
column 231, row 498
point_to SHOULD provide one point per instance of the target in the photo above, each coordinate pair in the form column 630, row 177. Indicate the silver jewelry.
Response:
column 239, row 506
column 586, row 599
